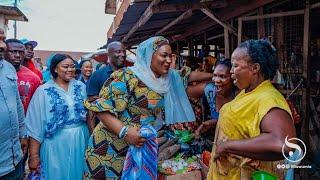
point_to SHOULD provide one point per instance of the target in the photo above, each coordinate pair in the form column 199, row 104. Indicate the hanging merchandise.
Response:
column 278, row 79
column 294, row 89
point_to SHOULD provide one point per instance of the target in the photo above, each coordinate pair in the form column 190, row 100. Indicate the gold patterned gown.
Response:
column 131, row 101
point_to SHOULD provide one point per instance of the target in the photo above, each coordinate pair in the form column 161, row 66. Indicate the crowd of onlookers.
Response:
column 35, row 103
column 69, row 121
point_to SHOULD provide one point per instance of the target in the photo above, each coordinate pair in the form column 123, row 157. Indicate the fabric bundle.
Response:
column 36, row 176
column 141, row 163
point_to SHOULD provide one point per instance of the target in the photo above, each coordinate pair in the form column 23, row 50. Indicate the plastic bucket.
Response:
column 262, row 175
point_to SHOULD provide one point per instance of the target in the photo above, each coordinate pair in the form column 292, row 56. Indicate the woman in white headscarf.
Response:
column 133, row 97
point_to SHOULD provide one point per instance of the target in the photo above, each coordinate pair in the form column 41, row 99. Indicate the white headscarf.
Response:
column 177, row 105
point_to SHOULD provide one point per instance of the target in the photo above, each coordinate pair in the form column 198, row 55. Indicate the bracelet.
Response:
column 24, row 137
column 123, row 132
column 34, row 157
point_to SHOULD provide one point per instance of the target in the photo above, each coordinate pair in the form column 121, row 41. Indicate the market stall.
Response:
column 290, row 25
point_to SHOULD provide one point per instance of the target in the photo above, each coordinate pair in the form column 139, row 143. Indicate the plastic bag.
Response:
column 185, row 136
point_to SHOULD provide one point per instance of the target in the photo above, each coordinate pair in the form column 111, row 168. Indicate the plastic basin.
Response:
column 262, row 175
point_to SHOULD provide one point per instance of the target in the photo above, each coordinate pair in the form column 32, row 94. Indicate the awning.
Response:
column 12, row 13
column 137, row 20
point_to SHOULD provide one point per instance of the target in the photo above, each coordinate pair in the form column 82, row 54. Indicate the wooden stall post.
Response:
column 190, row 47
column 239, row 30
column 205, row 37
column 261, row 30
column 279, row 41
column 178, row 49
column 226, row 44
column 232, row 38
column 306, row 74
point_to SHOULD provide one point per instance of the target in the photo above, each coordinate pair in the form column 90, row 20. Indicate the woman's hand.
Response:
column 91, row 117
column 205, row 126
column 34, row 159
column 114, row 125
column 133, row 137
column 34, row 164
column 221, row 150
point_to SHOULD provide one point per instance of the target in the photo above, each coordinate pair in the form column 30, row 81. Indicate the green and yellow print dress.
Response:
column 132, row 102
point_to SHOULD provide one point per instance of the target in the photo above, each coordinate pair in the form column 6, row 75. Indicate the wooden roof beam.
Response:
column 197, row 28
column 143, row 19
column 215, row 37
column 167, row 8
column 16, row 18
column 279, row 14
column 202, row 26
column 12, row 13
column 184, row 15
column 137, row 39
column 118, row 18
column 226, row 25
column 134, row 41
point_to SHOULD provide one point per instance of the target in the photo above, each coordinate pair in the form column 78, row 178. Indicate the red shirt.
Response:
column 28, row 82
column 29, row 64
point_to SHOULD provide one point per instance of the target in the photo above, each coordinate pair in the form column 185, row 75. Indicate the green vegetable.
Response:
column 181, row 171
column 185, row 136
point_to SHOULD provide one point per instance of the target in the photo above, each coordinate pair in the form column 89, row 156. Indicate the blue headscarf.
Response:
column 177, row 106
column 46, row 74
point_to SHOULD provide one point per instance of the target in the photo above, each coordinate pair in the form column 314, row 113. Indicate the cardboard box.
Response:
column 193, row 175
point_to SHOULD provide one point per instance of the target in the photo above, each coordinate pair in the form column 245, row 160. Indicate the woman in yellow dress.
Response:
column 253, row 127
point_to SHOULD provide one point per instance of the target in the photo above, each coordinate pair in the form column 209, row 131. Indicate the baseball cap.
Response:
column 26, row 41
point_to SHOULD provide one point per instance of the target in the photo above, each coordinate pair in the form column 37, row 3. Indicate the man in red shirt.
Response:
column 28, row 81
column 28, row 59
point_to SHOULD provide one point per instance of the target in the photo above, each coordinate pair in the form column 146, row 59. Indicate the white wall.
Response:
column 3, row 24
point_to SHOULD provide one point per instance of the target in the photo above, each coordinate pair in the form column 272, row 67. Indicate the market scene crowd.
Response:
column 121, row 120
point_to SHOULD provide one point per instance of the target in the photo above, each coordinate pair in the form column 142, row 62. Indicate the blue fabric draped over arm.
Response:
column 141, row 163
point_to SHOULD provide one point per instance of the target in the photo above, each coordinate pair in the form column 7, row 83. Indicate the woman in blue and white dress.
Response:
column 56, row 124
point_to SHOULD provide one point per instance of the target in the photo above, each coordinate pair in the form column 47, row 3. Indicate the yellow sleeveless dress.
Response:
column 240, row 119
